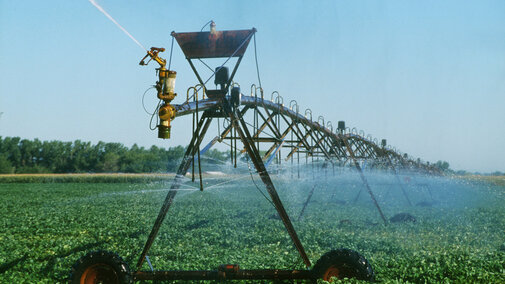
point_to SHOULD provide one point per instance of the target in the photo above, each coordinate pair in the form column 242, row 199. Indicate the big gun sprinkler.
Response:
column 166, row 91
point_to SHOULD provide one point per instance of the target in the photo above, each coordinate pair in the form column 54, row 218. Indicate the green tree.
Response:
column 132, row 160
column 110, row 163
column 10, row 148
column 172, row 158
column 215, row 156
column 34, row 156
column 5, row 165
column 442, row 165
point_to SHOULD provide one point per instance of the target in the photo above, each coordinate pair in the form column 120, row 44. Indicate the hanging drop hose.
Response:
column 195, row 119
column 235, row 146
column 193, row 155
column 199, row 161
column 231, row 142
column 257, row 187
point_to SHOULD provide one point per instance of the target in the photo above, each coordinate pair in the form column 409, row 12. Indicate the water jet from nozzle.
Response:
column 117, row 24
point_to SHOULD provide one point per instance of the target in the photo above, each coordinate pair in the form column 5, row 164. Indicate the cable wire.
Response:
column 152, row 116
column 211, row 70
column 256, row 59
column 171, row 50
column 143, row 104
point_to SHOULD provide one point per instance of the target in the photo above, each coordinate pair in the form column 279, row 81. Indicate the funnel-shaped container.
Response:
column 214, row 44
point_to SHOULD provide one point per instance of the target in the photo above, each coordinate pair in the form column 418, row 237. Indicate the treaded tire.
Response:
column 100, row 267
column 343, row 263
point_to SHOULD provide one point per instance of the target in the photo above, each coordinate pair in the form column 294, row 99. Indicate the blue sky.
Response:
column 427, row 75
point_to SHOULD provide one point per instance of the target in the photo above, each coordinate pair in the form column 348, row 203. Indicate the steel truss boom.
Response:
column 310, row 137
column 276, row 127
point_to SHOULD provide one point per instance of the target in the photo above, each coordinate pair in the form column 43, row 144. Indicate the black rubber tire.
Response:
column 100, row 267
column 343, row 263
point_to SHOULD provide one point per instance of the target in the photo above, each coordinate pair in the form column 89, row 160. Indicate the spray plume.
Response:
column 117, row 24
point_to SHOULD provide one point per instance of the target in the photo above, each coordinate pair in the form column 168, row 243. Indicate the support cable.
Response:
column 203, row 62
column 256, row 59
column 143, row 104
column 153, row 115
column 171, row 50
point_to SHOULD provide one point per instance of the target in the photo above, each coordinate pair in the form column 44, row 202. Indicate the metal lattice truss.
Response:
column 285, row 134
column 274, row 127
column 268, row 131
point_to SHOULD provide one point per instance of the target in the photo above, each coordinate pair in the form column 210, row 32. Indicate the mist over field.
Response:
column 457, row 234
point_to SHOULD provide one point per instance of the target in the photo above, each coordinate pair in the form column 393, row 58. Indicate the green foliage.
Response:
column 462, row 173
column 47, row 227
column 5, row 165
column 26, row 156
column 443, row 165
column 86, row 178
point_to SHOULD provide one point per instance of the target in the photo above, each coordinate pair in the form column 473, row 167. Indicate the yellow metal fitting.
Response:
column 167, row 112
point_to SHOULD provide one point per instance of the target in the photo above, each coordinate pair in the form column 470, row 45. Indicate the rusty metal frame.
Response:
column 237, row 124
column 272, row 124
column 245, row 137
column 223, row 274
column 314, row 139
column 218, row 44
column 365, row 182
column 196, row 140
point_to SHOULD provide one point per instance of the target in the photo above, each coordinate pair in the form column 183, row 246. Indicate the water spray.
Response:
column 165, row 85
column 93, row 2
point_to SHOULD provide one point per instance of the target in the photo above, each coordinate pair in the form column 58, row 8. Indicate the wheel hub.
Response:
column 332, row 271
column 99, row 273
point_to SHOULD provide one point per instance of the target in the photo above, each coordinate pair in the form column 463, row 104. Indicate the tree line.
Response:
column 34, row 156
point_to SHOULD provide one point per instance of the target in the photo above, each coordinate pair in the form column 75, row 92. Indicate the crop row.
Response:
column 47, row 227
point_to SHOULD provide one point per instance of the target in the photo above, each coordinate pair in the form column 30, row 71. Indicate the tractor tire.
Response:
column 100, row 267
column 343, row 263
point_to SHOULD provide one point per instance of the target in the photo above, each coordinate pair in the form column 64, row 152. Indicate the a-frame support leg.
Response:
column 398, row 180
column 306, row 202
column 365, row 182
column 181, row 172
column 239, row 123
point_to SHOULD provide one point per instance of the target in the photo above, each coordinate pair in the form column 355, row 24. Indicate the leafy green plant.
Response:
column 48, row 226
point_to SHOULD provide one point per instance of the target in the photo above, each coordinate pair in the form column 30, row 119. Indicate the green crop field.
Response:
column 46, row 227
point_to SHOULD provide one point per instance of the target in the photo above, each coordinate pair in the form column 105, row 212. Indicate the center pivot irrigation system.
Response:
column 274, row 126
